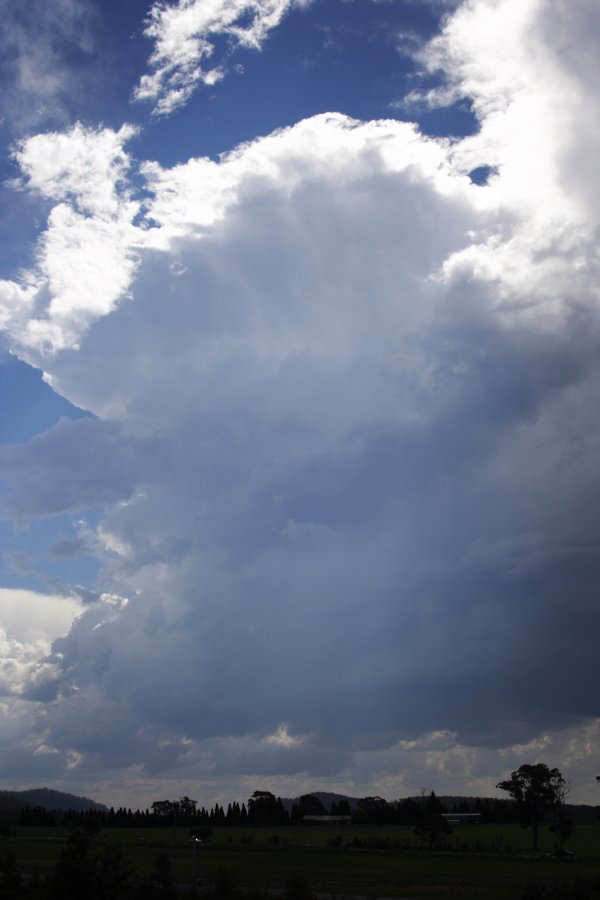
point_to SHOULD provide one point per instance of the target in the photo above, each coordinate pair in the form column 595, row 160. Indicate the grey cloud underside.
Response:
column 70, row 468
column 346, row 441
column 356, row 502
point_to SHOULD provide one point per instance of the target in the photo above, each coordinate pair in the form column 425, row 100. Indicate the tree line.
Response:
column 534, row 789
column 263, row 808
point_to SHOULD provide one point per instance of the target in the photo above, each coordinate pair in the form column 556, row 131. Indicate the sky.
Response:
column 299, row 372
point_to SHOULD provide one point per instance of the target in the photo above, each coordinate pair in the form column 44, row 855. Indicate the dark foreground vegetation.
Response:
column 527, row 848
column 296, row 862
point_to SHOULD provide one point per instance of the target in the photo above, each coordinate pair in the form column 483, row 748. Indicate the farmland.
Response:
column 492, row 861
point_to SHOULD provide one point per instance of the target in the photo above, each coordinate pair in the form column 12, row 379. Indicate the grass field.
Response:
column 487, row 861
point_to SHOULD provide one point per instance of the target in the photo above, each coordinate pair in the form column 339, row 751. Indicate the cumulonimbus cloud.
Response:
column 344, row 437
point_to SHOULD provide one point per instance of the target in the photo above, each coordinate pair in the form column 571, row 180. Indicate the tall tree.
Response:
column 186, row 807
column 265, row 809
column 535, row 789
column 563, row 828
column 344, row 808
column 372, row 811
column 307, row 805
column 432, row 826
column 163, row 807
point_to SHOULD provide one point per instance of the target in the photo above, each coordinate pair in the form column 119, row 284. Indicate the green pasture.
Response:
column 491, row 861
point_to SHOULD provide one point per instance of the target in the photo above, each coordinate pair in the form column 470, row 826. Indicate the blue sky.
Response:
column 298, row 368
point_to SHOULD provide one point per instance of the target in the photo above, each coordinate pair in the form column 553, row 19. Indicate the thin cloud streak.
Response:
column 38, row 78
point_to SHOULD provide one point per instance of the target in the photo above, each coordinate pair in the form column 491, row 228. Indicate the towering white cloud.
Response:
column 345, row 433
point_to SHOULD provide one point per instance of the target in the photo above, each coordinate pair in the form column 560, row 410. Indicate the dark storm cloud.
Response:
column 346, row 445
column 74, row 465
column 417, row 569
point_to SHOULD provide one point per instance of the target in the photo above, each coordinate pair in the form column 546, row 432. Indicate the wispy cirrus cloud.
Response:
column 34, row 45
column 185, row 36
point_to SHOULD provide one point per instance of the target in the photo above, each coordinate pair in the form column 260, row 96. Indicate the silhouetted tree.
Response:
column 91, row 869
column 563, row 828
column 217, row 815
column 499, row 811
column 186, row 808
column 163, row 807
column 535, row 789
column 6, row 828
column 36, row 815
column 10, row 876
column 432, row 825
column 344, row 808
column 307, row 805
column 265, row 809
column 371, row 811
column 408, row 812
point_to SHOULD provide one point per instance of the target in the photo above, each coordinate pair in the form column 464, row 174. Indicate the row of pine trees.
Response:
column 263, row 808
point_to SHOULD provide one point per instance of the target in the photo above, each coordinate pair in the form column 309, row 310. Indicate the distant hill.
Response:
column 49, row 799
column 580, row 813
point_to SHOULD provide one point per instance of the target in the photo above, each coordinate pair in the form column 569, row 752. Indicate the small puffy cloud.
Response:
column 185, row 34
column 85, row 258
column 83, row 164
